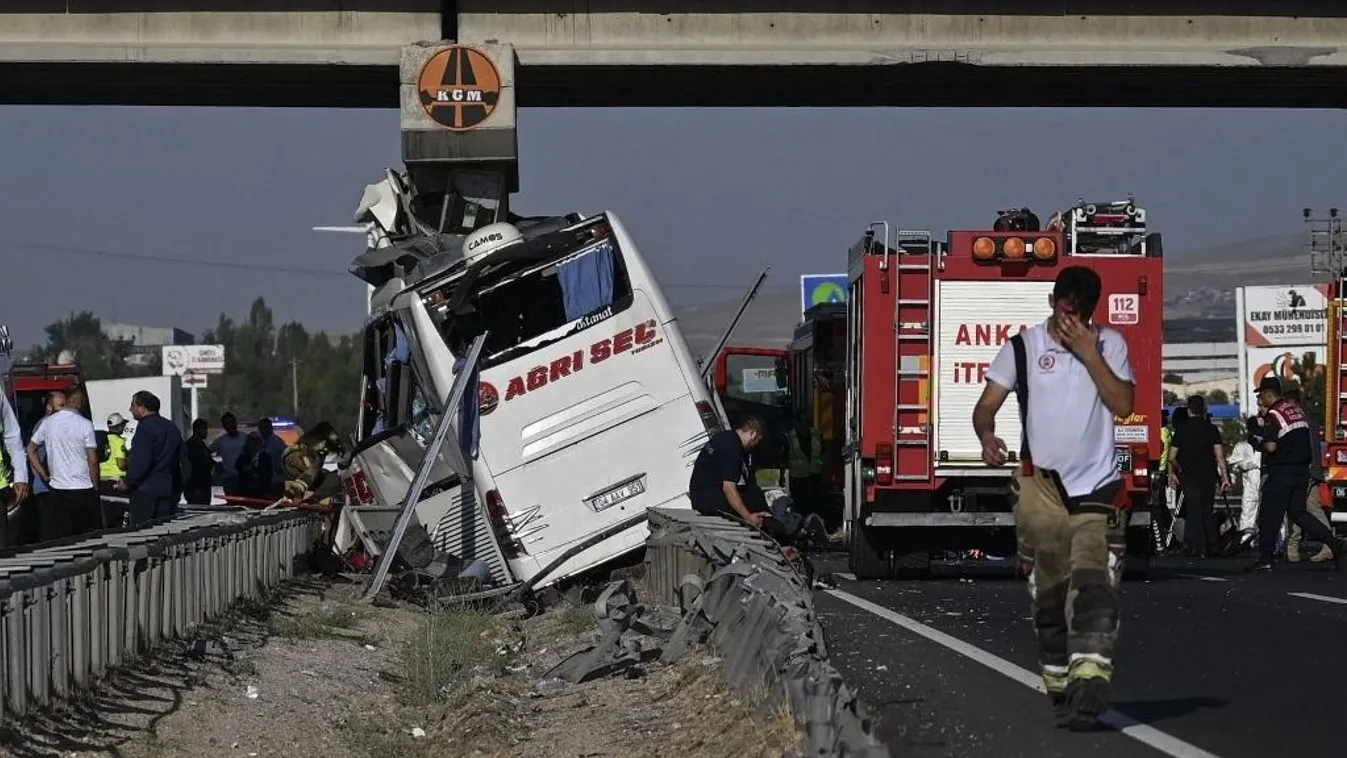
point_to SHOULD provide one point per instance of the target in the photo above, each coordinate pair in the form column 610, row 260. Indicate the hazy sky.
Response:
column 711, row 195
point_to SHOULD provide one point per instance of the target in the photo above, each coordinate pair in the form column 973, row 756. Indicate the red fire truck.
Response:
column 756, row 381
column 925, row 318
column 30, row 383
column 1334, row 494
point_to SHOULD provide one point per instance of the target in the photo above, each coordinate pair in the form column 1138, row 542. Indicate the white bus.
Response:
column 591, row 406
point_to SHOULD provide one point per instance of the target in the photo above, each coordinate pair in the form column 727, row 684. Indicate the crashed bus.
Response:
column 588, row 408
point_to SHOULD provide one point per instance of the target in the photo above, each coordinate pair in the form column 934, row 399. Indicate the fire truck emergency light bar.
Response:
column 998, row 249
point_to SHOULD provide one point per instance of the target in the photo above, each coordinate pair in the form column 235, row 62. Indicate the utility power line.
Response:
column 236, row 265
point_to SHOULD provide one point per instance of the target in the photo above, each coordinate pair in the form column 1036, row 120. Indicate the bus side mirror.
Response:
column 782, row 373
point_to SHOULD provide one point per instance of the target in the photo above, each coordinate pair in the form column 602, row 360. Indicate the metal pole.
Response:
column 196, row 404
column 709, row 363
column 294, row 387
column 448, row 421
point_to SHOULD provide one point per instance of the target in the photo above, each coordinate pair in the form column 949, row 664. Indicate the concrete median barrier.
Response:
column 739, row 595
column 71, row 611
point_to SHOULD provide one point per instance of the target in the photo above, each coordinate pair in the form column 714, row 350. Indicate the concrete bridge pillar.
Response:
column 459, row 125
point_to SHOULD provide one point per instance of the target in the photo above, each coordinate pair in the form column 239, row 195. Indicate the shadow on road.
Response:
column 1154, row 711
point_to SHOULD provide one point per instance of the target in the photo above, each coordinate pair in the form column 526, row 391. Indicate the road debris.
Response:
column 405, row 683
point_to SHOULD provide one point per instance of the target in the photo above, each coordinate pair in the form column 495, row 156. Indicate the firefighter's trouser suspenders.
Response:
column 1022, row 397
column 1027, row 468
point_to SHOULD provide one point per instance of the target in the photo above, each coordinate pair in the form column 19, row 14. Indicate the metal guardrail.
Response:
column 69, row 612
column 739, row 595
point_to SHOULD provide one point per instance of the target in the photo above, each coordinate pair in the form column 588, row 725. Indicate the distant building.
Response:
column 146, row 340
column 1201, row 362
column 1189, row 330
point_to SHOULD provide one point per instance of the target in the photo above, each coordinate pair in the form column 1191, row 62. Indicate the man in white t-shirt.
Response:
column 70, row 507
column 1071, row 379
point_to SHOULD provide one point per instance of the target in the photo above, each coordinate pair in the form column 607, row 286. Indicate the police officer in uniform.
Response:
column 1313, row 500
column 1071, row 379
column 1287, row 447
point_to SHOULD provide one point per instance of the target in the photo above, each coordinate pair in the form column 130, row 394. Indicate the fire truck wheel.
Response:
column 1136, row 567
column 914, row 565
column 866, row 561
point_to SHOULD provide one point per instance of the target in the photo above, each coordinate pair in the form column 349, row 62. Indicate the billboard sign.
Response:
column 1289, row 314
column 1287, row 364
column 817, row 289
column 1277, row 327
column 179, row 360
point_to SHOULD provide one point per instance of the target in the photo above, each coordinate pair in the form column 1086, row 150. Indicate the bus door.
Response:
column 397, row 421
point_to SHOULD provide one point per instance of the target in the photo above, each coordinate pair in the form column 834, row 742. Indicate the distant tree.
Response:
column 259, row 374
column 1169, row 398
column 97, row 355
column 1217, row 397
column 1310, row 374
column 1232, row 431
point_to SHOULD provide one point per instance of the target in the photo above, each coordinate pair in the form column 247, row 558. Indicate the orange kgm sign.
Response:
column 459, row 87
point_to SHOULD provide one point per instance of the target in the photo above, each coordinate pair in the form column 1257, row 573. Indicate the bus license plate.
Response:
column 616, row 495
column 1339, row 493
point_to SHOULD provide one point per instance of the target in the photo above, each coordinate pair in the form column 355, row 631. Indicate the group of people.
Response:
column 251, row 465
column 1280, row 467
column 64, row 483
column 52, row 485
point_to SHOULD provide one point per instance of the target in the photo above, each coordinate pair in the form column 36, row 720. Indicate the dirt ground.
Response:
column 315, row 673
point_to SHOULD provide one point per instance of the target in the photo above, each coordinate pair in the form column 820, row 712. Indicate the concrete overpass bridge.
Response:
column 345, row 53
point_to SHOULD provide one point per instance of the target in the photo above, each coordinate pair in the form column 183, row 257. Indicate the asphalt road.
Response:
column 1211, row 662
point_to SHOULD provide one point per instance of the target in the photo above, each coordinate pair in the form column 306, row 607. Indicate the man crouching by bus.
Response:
column 1067, row 488
column 720, row 466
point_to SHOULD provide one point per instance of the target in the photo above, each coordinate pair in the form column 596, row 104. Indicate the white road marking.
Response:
column 1321, row 598
column 1147, row 735
column 1203, row 577
column 850, row 577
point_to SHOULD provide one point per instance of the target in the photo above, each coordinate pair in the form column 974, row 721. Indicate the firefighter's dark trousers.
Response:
column 1072, row 551
column 1283, row 496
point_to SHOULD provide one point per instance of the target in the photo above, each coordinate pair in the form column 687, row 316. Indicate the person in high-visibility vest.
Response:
column 806, row 467
column 113, row 469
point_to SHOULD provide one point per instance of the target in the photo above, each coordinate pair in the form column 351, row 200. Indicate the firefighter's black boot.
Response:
column 1086, row 701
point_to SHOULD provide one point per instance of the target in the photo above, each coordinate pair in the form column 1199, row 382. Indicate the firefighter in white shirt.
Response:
column 1072, row 378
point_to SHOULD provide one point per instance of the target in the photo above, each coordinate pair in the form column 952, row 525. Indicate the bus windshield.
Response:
column 530, row 301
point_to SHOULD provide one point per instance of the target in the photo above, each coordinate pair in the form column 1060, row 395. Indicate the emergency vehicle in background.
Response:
column 1334, row 493
column 756, row 381
column 924, row 319
column 30, row 384
column 819, row 390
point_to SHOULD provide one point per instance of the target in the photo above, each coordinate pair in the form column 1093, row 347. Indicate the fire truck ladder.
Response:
column 1328, row 258
column 913, row 347
column 1338, row 359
